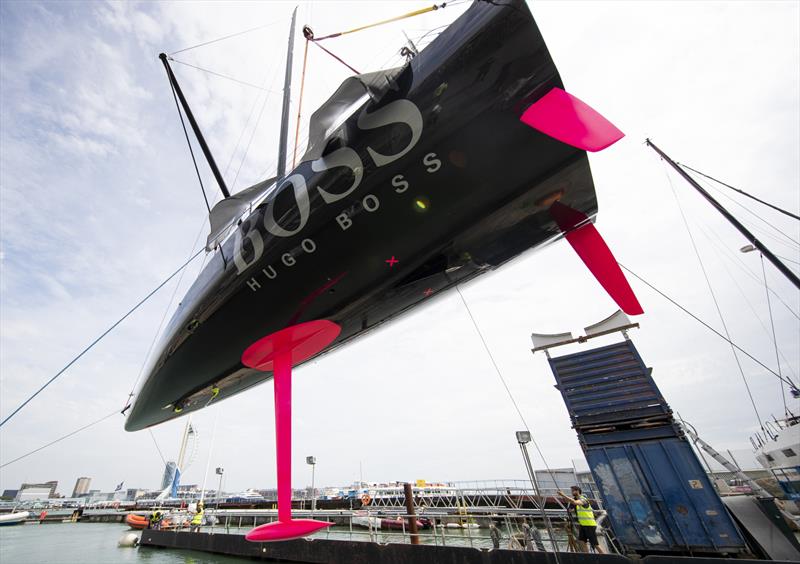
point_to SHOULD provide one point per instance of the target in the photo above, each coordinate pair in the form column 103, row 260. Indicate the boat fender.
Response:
column 129, row 540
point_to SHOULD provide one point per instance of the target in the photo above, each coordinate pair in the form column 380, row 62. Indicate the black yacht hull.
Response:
column 431, row 181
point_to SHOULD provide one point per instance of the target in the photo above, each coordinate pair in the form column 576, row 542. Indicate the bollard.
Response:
column 412, row 519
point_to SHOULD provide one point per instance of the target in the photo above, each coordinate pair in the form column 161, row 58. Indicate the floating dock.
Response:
column 356, row 552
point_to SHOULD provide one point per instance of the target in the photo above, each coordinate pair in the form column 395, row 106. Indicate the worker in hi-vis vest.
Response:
column 197, row 520
column 586, row 524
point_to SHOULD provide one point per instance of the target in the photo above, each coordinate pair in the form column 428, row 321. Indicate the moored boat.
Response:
column 15, row 518
column 777, row 449
column 138, row 522
column 363, row 519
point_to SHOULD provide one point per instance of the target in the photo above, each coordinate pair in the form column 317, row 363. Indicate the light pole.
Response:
column 313, row 463
column 220, row 472
column 523, row 438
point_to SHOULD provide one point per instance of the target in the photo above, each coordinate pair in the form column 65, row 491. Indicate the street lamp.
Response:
column 523, row 438
column 310, row 460
column 220, row 472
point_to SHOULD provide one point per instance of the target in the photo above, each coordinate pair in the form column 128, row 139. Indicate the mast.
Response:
column 196, row 128
column 287, row 90
column 727, row 215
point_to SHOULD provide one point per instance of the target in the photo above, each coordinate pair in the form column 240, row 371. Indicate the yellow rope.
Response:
column 300, row 103
column 390, row 20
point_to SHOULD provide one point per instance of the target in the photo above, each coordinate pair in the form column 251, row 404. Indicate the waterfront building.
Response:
column 9, row 494
column 169, row 474
column 30, row 492
column 81, row 486
column 134, row 493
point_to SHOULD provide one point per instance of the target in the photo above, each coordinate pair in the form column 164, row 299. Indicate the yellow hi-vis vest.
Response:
column 198, row 518
column 585, row 513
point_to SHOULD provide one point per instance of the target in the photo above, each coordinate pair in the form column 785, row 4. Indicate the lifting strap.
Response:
column 390, row 20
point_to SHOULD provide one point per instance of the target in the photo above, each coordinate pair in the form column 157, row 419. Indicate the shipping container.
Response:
column 659, row 499
column 608, row 386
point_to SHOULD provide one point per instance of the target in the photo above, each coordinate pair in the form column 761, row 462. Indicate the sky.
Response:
column 99, row 203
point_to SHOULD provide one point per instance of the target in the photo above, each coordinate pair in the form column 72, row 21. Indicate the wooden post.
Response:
column 412, row 519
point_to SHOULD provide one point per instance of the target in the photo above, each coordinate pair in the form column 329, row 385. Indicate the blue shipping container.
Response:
column 608, row 386
column 659, row 499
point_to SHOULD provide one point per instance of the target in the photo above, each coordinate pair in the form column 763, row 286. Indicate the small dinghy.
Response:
column 15, row 518
column 170, row 521
column 135, row 521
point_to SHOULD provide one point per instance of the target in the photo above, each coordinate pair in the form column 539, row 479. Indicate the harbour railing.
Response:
column 479, row 528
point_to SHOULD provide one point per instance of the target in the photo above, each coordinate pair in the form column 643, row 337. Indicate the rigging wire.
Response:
column 335, row 56
column 714, row 299
column 744, row 268
column 191, row 151
column 98, row 339
column 34, row 451
column 707, row 326
column 246, row 124
column 774, row 338
column 152, row 436
column 790, row 214
column 166, row 311
column 210, row 452
column 788, row 259
column 226, row 37
column 494, row 362
column 786, row 237
column 250, row 141
column 255, row 127
column 225, row 76
column 746, row 299
column 508, row 390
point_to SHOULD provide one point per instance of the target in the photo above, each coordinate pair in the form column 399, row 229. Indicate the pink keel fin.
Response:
column 278, row 352
column 285, row 530
column 595, row 254
column 562, row 116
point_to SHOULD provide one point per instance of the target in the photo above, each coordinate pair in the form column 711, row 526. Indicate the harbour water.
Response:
column 84, row 543
column 87, row 543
